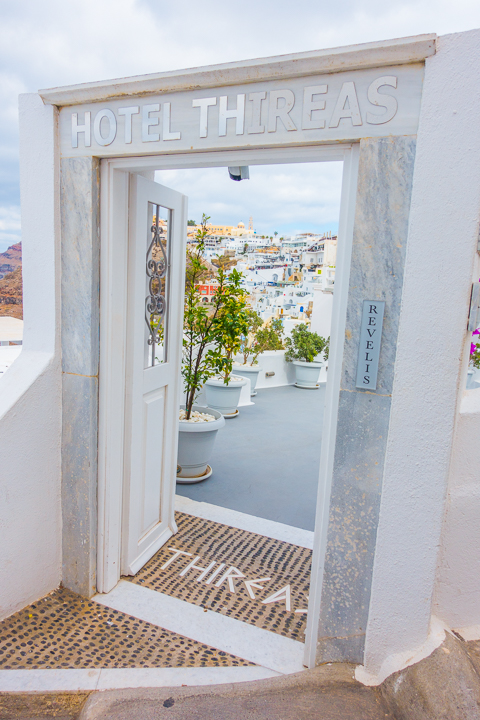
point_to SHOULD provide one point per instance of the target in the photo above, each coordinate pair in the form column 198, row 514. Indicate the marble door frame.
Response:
column 113, row 263
column 374, row 224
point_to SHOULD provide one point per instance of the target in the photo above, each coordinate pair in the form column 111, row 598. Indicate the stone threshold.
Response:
column 260, row 647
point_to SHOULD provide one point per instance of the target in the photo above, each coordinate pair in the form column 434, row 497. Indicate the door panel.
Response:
column 154, row 420
column 156, row 271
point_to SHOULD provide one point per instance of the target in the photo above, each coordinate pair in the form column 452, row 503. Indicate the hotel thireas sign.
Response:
column 340, row 106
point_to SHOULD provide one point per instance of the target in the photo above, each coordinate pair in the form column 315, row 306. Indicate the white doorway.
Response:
column 114, row 338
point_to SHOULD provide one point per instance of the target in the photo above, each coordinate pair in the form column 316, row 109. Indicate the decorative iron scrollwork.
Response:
column 156, row 269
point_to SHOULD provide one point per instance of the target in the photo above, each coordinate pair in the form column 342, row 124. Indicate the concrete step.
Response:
column 325, row 693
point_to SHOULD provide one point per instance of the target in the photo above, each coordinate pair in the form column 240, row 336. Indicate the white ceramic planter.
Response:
column 224, row 398
column 473, row 378
column 248, row 371
column 307, row 374
column 195, row 446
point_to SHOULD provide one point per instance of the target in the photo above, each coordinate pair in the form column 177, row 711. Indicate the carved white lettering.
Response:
column 249, row 584
column 348, row 95
column 148, row 122
column 229, row 575
column 238, row 114
column 282, row 594
column 191, row 566
column 85, row 128
column 167, row 131
column 382, row 100
column 276, row 113
column 204, row 104
column 214, row 574
column 128, row 112
column 310, row 105
column 107, row 115
column 256, row 128
column 176, row 554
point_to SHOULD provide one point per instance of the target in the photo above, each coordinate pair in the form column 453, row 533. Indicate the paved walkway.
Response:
column 265, row 462
column 320, row 694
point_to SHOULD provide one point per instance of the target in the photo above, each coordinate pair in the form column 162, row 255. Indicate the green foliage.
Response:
column 211, row 333
column 191, row 222
column 255, row 322
column 305, row 345
column 267, row 338
column 231, row 323
column 199, row 323
column 475, row 355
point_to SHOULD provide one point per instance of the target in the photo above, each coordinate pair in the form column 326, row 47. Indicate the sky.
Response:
column 60, row 42
column 280, row 198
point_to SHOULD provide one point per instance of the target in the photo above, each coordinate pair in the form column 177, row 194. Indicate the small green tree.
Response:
column 255, row 322
column 200, row 324
column 305, row 345
column 231, row 322
column 191, row 222
column 267, row 338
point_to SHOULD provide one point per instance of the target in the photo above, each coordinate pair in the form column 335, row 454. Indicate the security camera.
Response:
column 239, row 173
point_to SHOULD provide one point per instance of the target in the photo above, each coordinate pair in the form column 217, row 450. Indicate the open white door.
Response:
column 156, row 272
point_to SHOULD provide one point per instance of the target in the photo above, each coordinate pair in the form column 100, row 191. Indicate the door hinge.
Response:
column 474, row 313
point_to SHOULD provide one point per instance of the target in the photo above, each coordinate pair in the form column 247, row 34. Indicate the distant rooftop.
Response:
column 11, row 329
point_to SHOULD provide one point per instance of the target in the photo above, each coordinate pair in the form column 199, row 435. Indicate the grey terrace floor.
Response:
column 266, row 460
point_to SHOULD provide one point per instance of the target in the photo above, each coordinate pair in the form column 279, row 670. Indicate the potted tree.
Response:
column 303, row 349
column 262, row 339
column 198, row 425
column 223, row 390
column 247, row 343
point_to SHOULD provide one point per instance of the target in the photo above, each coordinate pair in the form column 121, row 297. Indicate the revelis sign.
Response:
column 370, row 341
column 341, row 106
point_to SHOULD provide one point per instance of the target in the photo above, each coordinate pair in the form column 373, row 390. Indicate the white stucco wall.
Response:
column 457, row 594
column 430, row 369
column 321, row 319
column 30, row 398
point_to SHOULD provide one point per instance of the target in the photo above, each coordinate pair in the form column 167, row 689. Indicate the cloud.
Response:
column 9, row 226
column 53, row 42
column 282, row 198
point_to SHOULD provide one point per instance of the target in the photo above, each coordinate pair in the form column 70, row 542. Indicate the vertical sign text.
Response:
column 370, row 339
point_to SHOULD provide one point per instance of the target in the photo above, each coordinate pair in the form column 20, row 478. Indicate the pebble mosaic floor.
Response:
column 256, row 556
column 63, row 630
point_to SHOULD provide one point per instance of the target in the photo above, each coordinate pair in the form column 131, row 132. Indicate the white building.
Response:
column 398, row 534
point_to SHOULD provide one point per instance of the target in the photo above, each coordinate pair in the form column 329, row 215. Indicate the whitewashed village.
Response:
column 281, row 275
column 240, row 438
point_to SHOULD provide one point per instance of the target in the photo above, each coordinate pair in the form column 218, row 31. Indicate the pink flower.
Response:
column 473, row 348
column 476, row 332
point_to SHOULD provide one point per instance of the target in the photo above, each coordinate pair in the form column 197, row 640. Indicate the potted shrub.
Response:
column 262, row 340
column 248, row 344
column 223, row 390
column 198, row 426
column 303, row 348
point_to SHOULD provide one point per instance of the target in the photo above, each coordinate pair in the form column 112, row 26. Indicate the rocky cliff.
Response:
column 11, row 287
column 11, row 259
